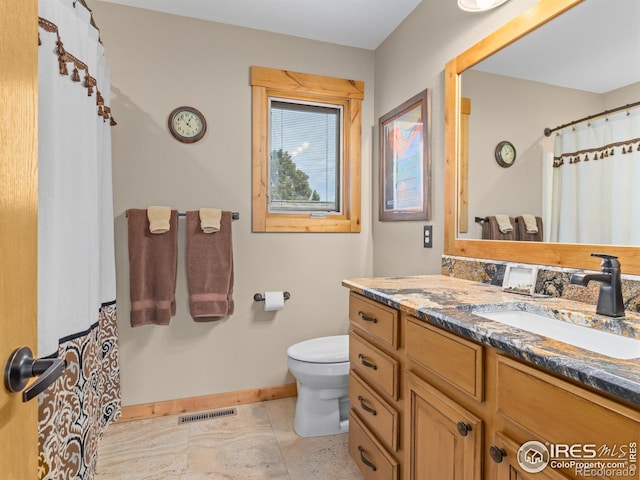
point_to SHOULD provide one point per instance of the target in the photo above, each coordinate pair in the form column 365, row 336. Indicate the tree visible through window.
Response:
column 304, row 170
column 306, row 152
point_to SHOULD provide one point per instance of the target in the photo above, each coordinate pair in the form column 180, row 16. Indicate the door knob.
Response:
column 21, row 366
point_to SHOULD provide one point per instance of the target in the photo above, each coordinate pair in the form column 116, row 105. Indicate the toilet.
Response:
column 321, row 369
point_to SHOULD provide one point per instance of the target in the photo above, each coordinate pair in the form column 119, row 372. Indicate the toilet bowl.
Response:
column 321, row 369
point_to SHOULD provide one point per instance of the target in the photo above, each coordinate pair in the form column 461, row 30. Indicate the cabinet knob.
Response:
column 463, row 428
column 497, row 453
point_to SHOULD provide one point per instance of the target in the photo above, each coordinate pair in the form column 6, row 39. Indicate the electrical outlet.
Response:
column 428, row 236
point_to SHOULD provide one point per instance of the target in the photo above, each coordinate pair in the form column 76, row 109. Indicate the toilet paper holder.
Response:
column 258, row 297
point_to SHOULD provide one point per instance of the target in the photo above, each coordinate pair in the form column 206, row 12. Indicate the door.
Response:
column 18, row 226
column 444, row 438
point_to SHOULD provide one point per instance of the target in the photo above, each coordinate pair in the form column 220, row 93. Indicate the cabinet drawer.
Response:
column 376, row 367
column 377, row 319
column 370, row 456
column 378, row 415
column 558, row 411
column 454, row 359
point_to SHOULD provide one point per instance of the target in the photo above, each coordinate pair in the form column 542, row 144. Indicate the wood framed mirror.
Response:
column 571, row 255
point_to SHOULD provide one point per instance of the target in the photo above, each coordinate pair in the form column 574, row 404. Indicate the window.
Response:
column 306, row 152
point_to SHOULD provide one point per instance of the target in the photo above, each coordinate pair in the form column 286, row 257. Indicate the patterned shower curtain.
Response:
column 76, row 264
column 594, row 182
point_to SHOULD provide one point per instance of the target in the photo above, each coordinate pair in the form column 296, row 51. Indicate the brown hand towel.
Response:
column 209, row 269
column 522, row 233
column 152, row 270
column 491, row 230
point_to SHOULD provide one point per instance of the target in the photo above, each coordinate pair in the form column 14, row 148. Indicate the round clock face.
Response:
column 505, row 154
column 187, row 124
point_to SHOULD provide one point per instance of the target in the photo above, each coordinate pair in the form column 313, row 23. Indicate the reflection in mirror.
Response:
column 589, row 193
column 572, row 255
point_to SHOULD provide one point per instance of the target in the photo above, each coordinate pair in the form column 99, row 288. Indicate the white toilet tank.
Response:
column 333, row 349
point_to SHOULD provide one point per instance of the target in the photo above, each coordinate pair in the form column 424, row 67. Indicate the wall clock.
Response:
column 505, row 154
column 187, row 124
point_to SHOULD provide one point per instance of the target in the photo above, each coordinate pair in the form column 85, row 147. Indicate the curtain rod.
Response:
column 549, row 131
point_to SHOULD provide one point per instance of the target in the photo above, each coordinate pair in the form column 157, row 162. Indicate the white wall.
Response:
column 162, row 61
column 411, row 59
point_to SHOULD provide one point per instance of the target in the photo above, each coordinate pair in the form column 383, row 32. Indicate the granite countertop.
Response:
column 442, row 300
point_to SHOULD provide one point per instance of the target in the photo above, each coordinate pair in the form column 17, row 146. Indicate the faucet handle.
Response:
column 608, row 261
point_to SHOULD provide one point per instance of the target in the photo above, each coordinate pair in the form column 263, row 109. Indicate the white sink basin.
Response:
column 598, row 341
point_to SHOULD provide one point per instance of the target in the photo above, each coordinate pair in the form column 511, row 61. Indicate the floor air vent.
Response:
column 198, row 417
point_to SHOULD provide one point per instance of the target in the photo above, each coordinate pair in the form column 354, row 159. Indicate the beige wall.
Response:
column 411, row 59
column 161, row 61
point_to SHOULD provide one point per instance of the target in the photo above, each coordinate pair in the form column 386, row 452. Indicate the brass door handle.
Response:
column 21, row 367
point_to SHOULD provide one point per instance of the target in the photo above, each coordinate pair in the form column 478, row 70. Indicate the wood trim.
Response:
column 268, row 82
column 306, row 83
column 463, row 170
column 259, row 146
column 544, row 253
column 217, row 400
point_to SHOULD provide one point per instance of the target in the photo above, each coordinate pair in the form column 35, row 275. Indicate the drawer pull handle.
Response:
column 367, row 318
column 364, row 459
column 463, row 428
column 497, row 453
column 366, row 362
column 366, row 407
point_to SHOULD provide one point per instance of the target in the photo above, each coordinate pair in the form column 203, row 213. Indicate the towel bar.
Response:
column 234, row 215
column 258, row 297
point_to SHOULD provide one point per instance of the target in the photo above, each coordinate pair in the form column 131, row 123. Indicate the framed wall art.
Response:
column 405, row 161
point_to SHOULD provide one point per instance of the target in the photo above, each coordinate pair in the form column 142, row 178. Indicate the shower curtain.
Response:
column 76, row 265
column 593, row 182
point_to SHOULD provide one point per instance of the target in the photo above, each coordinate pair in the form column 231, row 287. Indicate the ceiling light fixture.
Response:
column 479, row 5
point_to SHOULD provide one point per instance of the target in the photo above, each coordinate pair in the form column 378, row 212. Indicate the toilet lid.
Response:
column 321, row 350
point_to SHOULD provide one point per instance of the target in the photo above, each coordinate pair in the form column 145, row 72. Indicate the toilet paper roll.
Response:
column 273, row 301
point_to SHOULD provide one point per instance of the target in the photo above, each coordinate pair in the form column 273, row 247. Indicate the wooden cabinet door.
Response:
column 445, row 440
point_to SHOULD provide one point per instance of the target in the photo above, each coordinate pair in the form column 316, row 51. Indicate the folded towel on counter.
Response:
column 523, row 230
column 159, row 219
column 504, row 223
column 210, row 219
column 152, row 270
column 209, row 269
column 491, row 229
column 530, row 224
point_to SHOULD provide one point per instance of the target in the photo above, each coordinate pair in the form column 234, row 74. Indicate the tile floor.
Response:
column 256, row 444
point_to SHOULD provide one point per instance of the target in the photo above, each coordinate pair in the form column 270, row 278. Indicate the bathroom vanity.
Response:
column 440, row 392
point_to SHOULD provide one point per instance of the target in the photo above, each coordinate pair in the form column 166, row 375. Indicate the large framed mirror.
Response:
column 458, row 150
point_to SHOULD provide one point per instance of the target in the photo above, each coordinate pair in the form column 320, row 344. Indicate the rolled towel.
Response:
column 159, row 219
column 210, row 219
column 504, row 224
column 530, row 223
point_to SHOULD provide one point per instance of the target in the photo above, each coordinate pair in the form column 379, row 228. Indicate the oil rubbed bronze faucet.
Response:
column 610, row 297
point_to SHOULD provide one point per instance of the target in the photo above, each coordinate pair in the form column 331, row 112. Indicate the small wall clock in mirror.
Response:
column 505, row 154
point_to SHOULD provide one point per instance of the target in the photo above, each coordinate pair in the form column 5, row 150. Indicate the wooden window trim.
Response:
column 269, row 82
